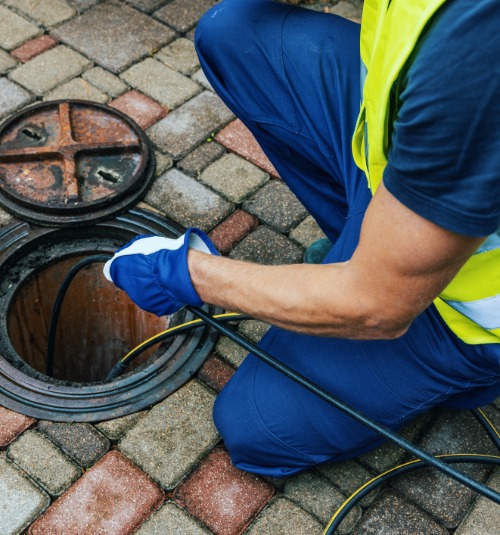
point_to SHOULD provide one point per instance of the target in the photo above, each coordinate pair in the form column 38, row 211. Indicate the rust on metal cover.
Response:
column 72, row 161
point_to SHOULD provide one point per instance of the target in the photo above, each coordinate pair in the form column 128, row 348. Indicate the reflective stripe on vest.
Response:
column 473, row 297
column 484, row 312
column 390, row 31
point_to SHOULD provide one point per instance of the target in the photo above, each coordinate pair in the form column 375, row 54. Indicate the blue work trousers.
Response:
column 292, row 76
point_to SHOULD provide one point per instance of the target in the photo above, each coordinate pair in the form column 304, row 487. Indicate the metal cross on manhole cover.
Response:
column 72, row 162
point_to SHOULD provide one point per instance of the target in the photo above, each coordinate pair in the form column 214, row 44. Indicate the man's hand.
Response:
column 153, row 271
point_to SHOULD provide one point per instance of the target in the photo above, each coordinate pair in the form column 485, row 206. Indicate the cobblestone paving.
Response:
column 165, row 470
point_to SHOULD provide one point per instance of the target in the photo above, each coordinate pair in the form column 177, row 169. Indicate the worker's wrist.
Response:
column 197, row 260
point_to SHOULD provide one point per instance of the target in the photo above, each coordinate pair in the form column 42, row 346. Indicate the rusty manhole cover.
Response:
column 71, row 163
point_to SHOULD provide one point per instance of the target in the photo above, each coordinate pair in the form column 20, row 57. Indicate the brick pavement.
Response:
column 164, row 470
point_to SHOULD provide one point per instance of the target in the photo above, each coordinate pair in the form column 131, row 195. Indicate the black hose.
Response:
column 347, row 409
column 488, row 426
column 376, row 482
column 121, row 366
column 58, row 304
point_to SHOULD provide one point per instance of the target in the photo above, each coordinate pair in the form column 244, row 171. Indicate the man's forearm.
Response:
column 401, row 264
column 313, row 299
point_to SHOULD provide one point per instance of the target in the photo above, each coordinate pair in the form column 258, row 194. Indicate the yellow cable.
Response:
column 489, row 423
column 360, row 489
column 354, row 494
column 173, row 329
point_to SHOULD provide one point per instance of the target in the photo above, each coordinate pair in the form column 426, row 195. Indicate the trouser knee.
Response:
column 229, row 17
column 248, row 448
column 249, row 444
column 227, row 418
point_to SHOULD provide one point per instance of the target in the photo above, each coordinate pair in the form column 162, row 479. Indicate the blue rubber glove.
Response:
column 153, row 271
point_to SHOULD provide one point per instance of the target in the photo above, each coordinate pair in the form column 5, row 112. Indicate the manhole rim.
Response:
column 124, row 395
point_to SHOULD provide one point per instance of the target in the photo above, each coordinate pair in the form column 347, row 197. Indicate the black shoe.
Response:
column 317, row 251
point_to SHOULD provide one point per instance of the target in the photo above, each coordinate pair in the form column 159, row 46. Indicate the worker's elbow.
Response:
column 387, row 325
column 391, row 331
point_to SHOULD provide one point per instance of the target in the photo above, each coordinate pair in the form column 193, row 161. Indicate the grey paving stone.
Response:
column 318, row 496
column 347, row 10
column 234, row 177
column 266, row 246
column 277, row 206
column 174, row 435
column 185, row 128
column 163, row 163
column 454, row 430
column 180, row 56
column 47, row 12
column 7, row 62
column 21, row 501
column 15, row 30
column 12, row 97
column 48, row 70
column 78, row 88
column 484, row 517
column 187, row 201
column 82, row 442
column 82, row 5
column 389, row 455
column 114, row 35
column 393, row 515
column 161, row 83
column 171, row 519
column 115, row 429
column 283, row 517
column 306, row 232
column 105, row 81
column 230, row 351
column 253, row 330
column 348, row 476
column 45, row 463
column 148, row 6
column 443, row 497
column 183, row 14
column 190, row 35
column 200, row 78
column 198, row 160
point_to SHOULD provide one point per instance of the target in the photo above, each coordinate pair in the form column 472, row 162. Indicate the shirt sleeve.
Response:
column 444, row 158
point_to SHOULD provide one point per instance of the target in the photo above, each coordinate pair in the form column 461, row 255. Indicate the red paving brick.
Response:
column 215, row 373
column 237, row 138
column 114, row 498
column 34, row 47
column 11, row 425
column 142, row 109
column 221, row 496
column 232, row 230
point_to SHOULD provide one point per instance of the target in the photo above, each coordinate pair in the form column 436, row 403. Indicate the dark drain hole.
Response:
column 108, row 176
column 31, row 134
column 97, row 326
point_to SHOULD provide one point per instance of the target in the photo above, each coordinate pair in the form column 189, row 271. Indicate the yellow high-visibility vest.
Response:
column 390, row 31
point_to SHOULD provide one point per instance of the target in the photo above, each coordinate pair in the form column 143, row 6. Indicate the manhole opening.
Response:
column 98, row 324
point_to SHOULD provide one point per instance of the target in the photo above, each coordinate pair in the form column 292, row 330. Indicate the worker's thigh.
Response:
column 273, row 426
column 292, row 76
